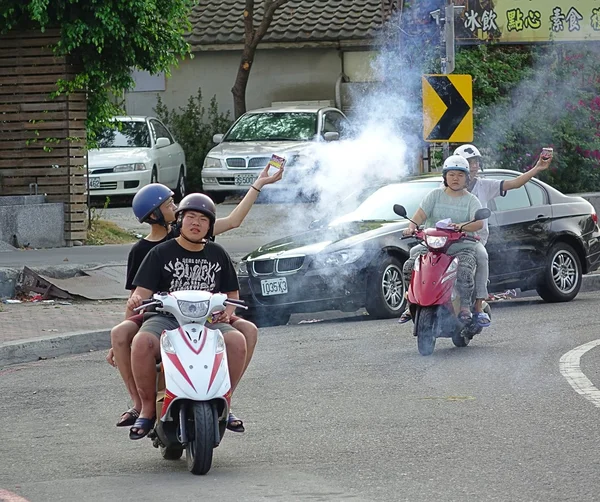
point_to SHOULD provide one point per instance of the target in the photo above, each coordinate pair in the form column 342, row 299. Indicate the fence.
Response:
column 42, row 140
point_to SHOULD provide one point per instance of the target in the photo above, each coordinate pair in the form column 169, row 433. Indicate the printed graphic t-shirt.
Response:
column 137, row 253
column 437, row 205
column 170, row 267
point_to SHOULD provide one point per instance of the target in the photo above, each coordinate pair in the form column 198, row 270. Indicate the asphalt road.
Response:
column 341, row 409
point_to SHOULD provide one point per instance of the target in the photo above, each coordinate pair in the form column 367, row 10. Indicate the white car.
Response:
column 290, row 131
column 140, row 151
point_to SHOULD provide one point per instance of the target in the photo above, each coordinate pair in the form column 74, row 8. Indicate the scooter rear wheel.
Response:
column 426, row 326
column 201, row 437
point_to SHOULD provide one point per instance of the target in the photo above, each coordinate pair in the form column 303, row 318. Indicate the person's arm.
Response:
column 419, row 217
column 136, row 298
column 235, row 218
column 472, row 227
column 541, row 165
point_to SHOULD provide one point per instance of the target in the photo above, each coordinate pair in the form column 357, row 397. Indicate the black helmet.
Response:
column 200, row 203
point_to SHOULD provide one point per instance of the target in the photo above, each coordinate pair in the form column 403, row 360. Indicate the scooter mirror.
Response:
column 400, row 210
column 482, row 214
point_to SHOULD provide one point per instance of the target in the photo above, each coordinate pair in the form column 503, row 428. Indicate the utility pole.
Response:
column 448, row 60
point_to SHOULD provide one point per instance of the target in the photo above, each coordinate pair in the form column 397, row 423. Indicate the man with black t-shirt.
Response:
column 188, row 262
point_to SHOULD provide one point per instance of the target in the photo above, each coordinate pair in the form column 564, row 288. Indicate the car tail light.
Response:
column 594, row 216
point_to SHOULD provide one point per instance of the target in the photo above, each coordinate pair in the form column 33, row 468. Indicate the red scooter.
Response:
column 434, row 301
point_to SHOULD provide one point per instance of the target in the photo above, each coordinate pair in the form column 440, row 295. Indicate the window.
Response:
column 536, row 194
column 274, row 126
column 125, row 135
column 514, row 199
column 160, row 131
column 334, row 122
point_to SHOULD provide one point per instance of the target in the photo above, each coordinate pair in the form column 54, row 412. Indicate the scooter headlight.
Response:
column 167, row 344
column 436, row 242
column 193, row 309
column 220, row 344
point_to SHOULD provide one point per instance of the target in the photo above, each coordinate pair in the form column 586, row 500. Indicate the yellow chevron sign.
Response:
column 447, row 108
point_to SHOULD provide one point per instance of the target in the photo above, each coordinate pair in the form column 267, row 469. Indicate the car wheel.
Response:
column 385, row 289
column 154, row 176
column 180, row 190
column 562, row 274
column 264, row 318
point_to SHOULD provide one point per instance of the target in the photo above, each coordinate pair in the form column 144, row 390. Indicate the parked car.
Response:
column 140, row 151
column 242, row 152
column 539, row 239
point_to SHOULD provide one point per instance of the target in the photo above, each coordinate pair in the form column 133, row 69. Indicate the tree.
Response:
column 252, row 38
column 106, row 40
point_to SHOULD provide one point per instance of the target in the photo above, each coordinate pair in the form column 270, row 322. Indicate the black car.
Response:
column 539, row 239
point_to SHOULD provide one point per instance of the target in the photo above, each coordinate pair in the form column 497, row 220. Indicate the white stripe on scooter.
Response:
column 570, row 369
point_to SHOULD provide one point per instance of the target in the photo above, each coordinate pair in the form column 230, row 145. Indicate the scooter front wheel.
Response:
column 201, row 437
column 426, row 327
column 171, row 453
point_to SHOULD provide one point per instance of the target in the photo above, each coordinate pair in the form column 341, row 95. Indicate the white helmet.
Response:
column 467, row 151
column 456, row 163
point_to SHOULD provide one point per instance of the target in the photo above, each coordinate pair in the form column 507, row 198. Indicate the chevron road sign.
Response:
column 447, row 108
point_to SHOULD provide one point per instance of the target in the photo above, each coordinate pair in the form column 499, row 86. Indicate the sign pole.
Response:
column 448, row 61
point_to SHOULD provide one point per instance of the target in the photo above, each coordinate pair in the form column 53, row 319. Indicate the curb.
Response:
column 33, row 349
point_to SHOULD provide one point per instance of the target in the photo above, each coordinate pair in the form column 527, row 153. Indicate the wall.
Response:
column 277, row 75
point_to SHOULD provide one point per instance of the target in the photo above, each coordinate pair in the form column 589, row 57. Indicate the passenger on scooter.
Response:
column 188, row 262
column 153, row 204
column 486, row 189
column 452, row 201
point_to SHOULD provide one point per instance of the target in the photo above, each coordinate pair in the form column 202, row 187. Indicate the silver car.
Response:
column 241, row 153
column 140, row 151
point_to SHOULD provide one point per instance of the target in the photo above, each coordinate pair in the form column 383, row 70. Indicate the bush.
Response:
column 193, row 132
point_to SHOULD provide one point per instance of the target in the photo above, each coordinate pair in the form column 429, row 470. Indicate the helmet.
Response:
column 467, row 151
column 147, row 201
column 456, row 163
column 202, row 204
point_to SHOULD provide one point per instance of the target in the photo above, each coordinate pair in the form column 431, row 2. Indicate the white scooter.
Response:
column 194, row 405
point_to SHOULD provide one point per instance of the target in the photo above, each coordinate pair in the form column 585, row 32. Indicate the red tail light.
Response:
column 594, row 217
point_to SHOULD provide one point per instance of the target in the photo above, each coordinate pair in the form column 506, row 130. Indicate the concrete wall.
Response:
column 29, row 221
column 277, row 75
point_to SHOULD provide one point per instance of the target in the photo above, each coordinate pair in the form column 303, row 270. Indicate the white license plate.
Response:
column 94, row 182
column 271, row 287
column 244, row 179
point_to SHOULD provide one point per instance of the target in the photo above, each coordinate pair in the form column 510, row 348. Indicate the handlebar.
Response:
column 236, row 303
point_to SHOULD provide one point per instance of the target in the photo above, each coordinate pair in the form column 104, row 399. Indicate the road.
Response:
column 342, row 409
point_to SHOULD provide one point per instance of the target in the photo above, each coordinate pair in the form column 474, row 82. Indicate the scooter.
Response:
column 434, row 301
column 194, row 404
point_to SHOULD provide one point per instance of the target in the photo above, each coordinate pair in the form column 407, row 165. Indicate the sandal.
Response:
column 128, row 420
column 405, row 317
column 465, row 316
column 234, row 424
column 482, row 319
column 141, row 424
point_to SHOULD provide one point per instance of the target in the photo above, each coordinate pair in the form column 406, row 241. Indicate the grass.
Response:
column 107, row 232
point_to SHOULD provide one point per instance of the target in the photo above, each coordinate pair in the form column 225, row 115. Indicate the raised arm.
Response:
column 240, row 212
column 541, row 165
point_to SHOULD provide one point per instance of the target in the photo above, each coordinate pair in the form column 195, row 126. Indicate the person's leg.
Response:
column 250, row 332
column 407, row 271
column 236, row 356
column 481, row 281
column 465, row 280
column 121, row 337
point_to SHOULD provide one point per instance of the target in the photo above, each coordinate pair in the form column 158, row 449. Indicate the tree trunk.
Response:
column 241, row 81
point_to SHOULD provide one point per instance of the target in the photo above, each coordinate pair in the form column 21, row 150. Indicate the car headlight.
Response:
column 338, row 258
column 243, row 268
column 167, row 344
column 211, row 162
column 125, row 168
column 436, row 242
column 193, row 309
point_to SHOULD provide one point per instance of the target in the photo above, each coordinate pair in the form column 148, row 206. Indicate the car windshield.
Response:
column 380, row 205
column 130, row 135
column 283, row 126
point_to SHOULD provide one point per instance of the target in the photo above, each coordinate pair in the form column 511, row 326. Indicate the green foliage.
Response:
column 194, row 127
column 106, row 40
column 529, row 97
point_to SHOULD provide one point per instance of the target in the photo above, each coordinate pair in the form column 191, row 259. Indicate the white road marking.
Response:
column 570, row 369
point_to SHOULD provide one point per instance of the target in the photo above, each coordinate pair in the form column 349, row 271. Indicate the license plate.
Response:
column 94, row 182
column 244, row 179
column 271, row 287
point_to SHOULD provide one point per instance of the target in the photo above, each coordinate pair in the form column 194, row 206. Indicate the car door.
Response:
column 334, row 122
column 519, row 232
column 165, row 157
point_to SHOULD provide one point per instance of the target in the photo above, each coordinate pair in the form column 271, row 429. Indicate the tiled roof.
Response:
column 221, row 21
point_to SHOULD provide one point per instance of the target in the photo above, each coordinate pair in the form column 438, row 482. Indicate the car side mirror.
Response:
column 482, row 214
column 400, row 210
column 162, row 142
column 331, row 136
column 217, row 138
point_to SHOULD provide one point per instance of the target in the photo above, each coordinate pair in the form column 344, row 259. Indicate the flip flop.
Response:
column 141, row 424
column 130, row 420
column 234, row 424
column 482, row 319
